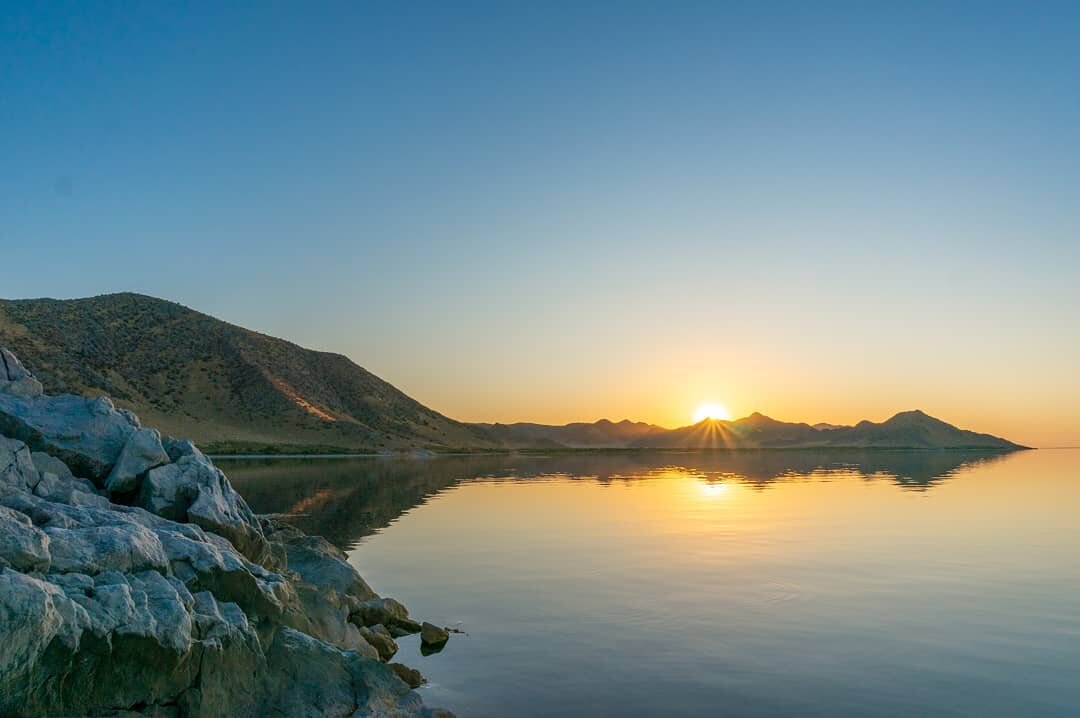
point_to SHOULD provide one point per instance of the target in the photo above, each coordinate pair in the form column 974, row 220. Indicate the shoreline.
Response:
column 136, row 581
column 538, row 453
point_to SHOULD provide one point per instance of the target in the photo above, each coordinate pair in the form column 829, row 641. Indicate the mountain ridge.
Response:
column 912, row 429
column 222, row 385
column 235, row 390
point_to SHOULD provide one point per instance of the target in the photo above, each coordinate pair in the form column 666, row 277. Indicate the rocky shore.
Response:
column 135, row 581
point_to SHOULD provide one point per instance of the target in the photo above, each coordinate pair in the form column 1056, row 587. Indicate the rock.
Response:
column 385, row 611
column 142, row 452
column 329, row 589
column 15, row 379
column 11, row 368
column 22, row 546
column 412, row 677
column 183, row 605
column 327, row 681
column 196, row 491
column 45, row 463
column 86, row 434
column 17, row 468
column 69, row 490
column 381, row 610
column 432, row 634
column 179, row 448
column 320, row 562
column 379, row 637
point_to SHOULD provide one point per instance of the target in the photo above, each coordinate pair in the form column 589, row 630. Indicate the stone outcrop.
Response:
column 15, row 379
column 433, row 635
column 135, row 581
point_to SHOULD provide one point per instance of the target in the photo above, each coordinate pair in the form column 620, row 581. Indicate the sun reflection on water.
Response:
column 713, row 489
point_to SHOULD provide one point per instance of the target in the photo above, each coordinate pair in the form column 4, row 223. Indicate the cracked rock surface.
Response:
column 135, row 581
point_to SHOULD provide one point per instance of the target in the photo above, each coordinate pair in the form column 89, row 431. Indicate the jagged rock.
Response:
column 45, row 463
column 142, row 452
column 179, row 448
column 17, row 470
column 69, row 490
column 178, row 606
column 433, row 635
column 379, row 637
column 320, row 562
column 86, row 434
column 329, row 590
column 386, row 611
column 412, row 677
column 194, row 490
column 22, row 546
column 328, row 681
column 15, row 379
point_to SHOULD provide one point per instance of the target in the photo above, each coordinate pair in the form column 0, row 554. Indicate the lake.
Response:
column 706, row 584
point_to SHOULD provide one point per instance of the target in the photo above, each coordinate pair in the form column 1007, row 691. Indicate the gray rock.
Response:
column 320, row 562
column 329, row 682
column 15, row 379
column 379, row 637
column 69, row 490
column 11, row 369
column 142, row 452
column 44, row 462
column 432, row 634
column 412, row 677
column 386, row 611
column 179, row 448
column 22, row 546
column 86, row 434
column 17, row 470
column 179, row 606
column 194, row 490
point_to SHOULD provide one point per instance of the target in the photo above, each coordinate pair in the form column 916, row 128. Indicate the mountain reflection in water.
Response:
column 346, row 499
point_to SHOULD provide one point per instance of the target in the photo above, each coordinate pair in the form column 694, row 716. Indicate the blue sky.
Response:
column 560, row 211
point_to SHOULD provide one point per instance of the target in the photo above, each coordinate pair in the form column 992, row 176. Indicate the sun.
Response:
column 711, row 411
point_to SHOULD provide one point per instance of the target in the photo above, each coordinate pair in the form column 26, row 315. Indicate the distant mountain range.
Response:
column 235, row 390
column 579, row 435
column 906, row 430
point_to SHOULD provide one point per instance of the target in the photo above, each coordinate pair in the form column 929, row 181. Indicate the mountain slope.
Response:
column 233, row 389
column 219, row 384
column 906, row 430
column 579, row 435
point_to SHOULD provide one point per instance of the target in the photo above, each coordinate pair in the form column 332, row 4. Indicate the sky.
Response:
column 567, row 211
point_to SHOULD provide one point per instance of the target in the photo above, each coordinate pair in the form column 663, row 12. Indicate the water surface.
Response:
column 744, row 584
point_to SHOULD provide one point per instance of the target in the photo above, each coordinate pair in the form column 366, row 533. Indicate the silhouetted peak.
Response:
column 915, row 416
column 756, row 419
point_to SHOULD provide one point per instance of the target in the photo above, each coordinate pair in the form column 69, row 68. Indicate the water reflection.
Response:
column 348, row 499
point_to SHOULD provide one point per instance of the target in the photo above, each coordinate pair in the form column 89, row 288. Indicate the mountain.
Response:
column 228, row 388
column 235, row 390
column 579, row 435
column 906, row 430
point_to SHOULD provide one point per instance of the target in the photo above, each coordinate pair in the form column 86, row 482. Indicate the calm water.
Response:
column 683, row 584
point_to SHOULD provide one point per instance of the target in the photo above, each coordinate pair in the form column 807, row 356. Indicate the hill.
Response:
column 906, row 430
column 578, row 435
column 228, row 388
column 238, row 391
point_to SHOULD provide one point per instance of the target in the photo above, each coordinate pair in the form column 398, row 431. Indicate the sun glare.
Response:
column 713, row 490
column 711, row 411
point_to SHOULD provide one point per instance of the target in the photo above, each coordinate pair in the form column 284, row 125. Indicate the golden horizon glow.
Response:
column 711, row 411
